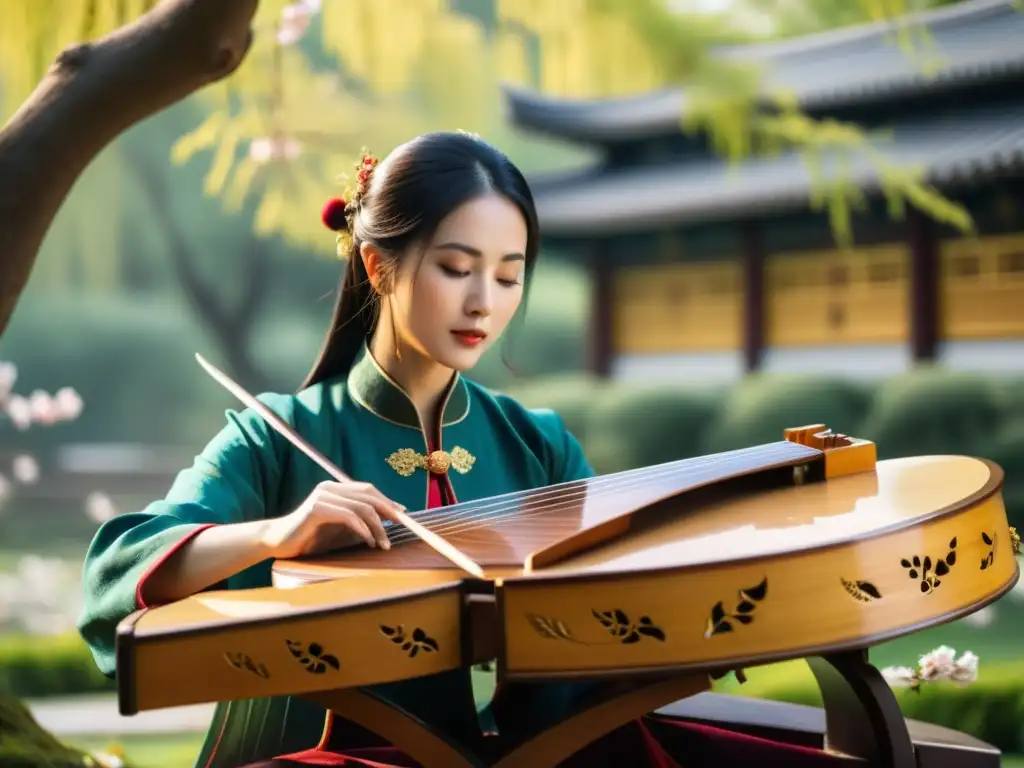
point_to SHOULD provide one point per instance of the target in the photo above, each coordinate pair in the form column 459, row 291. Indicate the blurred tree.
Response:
column 318, row 82
column 228, row 308
column 789, row 18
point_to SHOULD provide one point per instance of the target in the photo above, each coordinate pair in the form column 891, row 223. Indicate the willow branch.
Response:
column 91, row 94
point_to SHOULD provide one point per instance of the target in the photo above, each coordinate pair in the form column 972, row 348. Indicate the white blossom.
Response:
column 25, row 469
column 105, row 760
column 41, row 596
column 99, row 507
column 940, row 664
column 8, row 375
column 982, row 617
column 267, row 149
column 19, row 411
column 44, row 410
column 68, row 403
column 899, row 677
column 295, row 20
column 965, row 670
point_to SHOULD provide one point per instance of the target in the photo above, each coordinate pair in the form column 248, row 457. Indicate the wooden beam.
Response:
column 601, row 285
column 923, row 243
column 753, row 296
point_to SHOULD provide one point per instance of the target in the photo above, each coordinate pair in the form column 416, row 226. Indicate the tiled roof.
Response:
column 969, row 41
column 951, row 148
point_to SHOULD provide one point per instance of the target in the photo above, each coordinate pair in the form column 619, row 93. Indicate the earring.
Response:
column 394, row 329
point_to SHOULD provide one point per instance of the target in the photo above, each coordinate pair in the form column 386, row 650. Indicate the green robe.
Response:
column 249, row 472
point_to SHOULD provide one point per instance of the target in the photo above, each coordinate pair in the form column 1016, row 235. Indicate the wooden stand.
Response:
column 860, row 722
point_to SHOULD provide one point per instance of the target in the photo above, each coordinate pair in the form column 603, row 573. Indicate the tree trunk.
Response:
column 92, row 93
column 231, row 326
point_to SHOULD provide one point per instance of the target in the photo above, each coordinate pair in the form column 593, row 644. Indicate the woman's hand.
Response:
column 333, row 516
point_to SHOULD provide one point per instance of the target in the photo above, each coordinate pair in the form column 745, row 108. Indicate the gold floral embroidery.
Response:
column 406, row 461
column 462, row 460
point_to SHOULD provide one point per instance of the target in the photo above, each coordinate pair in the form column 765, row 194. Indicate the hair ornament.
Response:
column 334, row 214
column 364, row 170
column 338, row 213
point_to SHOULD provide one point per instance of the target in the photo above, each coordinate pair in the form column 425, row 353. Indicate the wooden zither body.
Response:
column 800, row 548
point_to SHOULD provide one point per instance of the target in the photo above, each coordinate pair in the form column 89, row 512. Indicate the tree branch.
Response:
column 91, row 94
column 231, row 327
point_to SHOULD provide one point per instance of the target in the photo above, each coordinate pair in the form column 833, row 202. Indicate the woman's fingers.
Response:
column 368, row 514
column 330, row 512
column 367, row 494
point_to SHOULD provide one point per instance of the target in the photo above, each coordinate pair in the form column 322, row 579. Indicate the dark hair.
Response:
column 409, row 194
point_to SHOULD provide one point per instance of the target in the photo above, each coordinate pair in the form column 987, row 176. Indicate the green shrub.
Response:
column 24, row 744
column 34, row 667
column 632, row 426
column 572, row 396
column 756, row 410
column 990, row 709
column 935, row 411
column 1008, row 452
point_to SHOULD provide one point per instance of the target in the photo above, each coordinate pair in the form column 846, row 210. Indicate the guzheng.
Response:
column 799, row 548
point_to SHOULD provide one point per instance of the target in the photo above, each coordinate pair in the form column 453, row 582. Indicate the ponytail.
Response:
column 352, row 321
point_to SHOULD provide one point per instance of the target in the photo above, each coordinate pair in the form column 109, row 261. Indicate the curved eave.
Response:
column 980, row 144
column 975, row 41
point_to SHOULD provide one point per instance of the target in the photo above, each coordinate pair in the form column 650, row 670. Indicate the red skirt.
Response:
column 651, row 742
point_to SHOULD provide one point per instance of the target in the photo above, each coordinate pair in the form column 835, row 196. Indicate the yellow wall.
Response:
column 678, row 308
column 982, row 293
column 838, row 297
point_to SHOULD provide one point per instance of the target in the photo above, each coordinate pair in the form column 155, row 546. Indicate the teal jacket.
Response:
column 249, row 472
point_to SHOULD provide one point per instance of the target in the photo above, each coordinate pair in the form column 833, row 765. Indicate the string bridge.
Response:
column 844, row 455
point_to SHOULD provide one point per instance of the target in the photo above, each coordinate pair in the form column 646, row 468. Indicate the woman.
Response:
column 440, row 241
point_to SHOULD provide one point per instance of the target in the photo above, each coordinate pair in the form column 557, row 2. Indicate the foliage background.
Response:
column 182, row 237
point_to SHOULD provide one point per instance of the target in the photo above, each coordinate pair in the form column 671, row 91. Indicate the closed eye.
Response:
column 453, row 272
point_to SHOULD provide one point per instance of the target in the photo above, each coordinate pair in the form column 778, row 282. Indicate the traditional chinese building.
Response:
column 705, row 269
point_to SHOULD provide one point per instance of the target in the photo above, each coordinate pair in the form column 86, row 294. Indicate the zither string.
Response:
column 519, row 506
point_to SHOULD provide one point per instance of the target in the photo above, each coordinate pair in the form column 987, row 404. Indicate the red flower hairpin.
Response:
column 364, row 169
column 336, row 213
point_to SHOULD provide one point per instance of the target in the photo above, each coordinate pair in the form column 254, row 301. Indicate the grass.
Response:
column 162, row 750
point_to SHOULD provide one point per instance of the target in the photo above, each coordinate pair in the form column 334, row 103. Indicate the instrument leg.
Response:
column 397, row 727
column 615, row 706
column 862, row 716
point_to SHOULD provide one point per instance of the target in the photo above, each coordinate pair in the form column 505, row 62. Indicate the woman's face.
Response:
column 455, row 302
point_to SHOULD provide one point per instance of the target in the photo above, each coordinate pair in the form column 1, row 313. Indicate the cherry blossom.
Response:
column 8, row 375
column 295, row 20
column 268, row 149
column 68, row 403
column 99, row 507
column 899, row 677
column 19, row 411
column 25, row 469
column 940, row 664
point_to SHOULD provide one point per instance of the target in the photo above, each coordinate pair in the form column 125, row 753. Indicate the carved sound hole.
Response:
column 411, row 644
column 618, row 623
column 721, row 621
column 929, row 575
column 864, row 591
column 244, row 662
column 313, row 657
column 990, row 556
